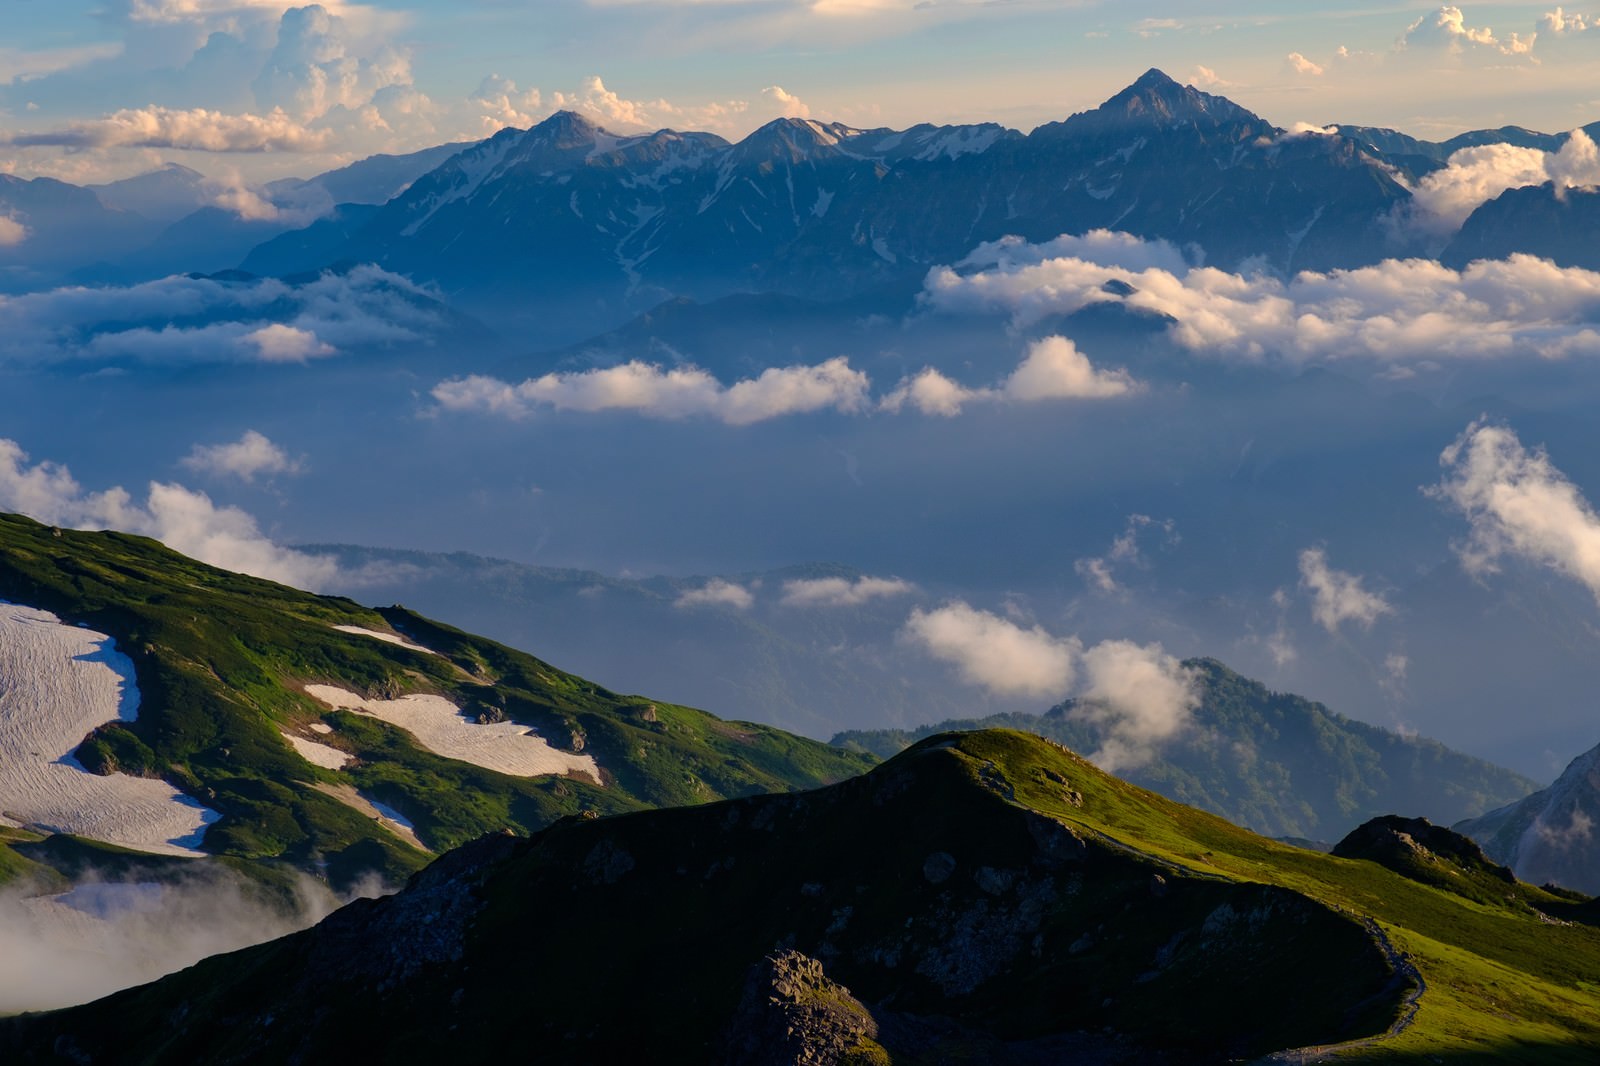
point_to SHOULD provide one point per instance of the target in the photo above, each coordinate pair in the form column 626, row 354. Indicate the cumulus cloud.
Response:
column 1053, row 369
column 1136, row 696
column 194, row 129
column 718, row 593
column 785, row 103
column 184, row 520
column 1559, row 23
column 1443, row 200
column 841, row 592
column 251, row 456
column 312, row 68
column 1406, row 311
column 1447, row 28
column 1301, row 65
column 1338, row 596
column 1139, row 696
column 995, row 653
column 185, row 320
column 12, row 232
column 678, row 392
column 1517, row 503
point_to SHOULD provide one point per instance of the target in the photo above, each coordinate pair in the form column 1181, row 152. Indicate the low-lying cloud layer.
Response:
column 1408, row 312
column 185, row 320
column 1052, row 369
column 57, row 951
column 842, row 592
column 1443, row 200
column 183, row 519
column 1518, row 504
column 1136, row 696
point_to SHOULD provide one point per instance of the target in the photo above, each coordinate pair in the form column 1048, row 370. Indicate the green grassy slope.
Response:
column 982, row 894
column 1282, row 765
column 222, row 661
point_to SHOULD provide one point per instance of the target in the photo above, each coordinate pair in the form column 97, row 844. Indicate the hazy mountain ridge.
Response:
column 1549, row 836
column 1276, row 763
column 1036, row 901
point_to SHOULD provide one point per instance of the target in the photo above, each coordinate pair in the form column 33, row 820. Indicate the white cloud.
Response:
column 931, row 393
column 12, row 232
column 1100, row 572
column 1053, row 369
column 1139, row 696
column 183, row 320
column 194, row 129
column 785, row 103
column 252, row 455
column 279, row 343
column 1442, row 200
column 718, row 593
column 182, row 519
column 841, row 592
column 1301, row 65
column 1338, row 596
column 994, row 653
column 678, row 392
column 1414, row 311
column 313, row 69
column 1558, row 22
column 1518, row 503
column 1447, row 28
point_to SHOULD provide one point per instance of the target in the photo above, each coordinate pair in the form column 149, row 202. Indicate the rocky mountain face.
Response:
column 824, row 210
column 1278, row 763
column 985, row 897
column 1549, row 837
column 1542, row 220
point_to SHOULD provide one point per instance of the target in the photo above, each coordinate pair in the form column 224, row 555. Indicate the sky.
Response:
column 93, row 90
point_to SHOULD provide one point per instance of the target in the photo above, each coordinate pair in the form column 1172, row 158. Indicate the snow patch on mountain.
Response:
column 58, row 683
column 439, row 726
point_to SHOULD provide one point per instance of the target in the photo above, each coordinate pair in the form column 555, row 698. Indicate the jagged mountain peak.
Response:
column 795, row 139
column 1157, row 102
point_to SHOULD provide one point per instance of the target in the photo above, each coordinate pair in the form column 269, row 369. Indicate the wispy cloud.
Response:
column 718, row 593
column 1338, row 596
column 251, row 456
column 842, row 592
column 1518, row 504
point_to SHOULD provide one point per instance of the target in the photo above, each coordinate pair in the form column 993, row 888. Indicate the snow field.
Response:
column 58, row 683
column 439, row 727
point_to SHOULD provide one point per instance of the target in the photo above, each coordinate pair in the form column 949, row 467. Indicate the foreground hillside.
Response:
column 987, row 897
column 1280, row 764
column 343, row 740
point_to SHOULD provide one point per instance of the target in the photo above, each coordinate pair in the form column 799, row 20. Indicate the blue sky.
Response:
column 94, row 89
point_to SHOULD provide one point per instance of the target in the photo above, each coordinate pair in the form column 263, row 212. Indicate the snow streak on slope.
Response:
column 387, row 638
column 438, row 725
column 57, row 684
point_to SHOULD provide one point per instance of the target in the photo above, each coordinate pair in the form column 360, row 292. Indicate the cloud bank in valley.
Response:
column 183, row 519
column 1443, row 200
column 1399, row 313
column 842, row 592
column 1518, row 504
column 183, row 320
column 1136, row 696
